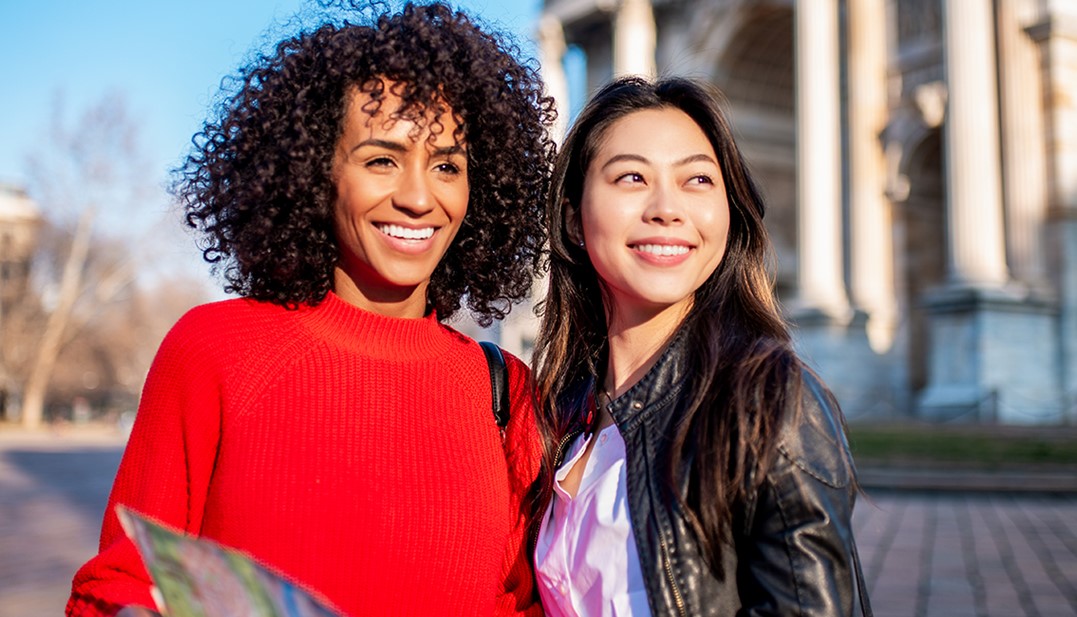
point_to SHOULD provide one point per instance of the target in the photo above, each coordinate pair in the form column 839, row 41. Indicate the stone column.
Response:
column 994, row 351
column 551, row 42
column 974, row 200
column 1057, row 37
column 871, row 237
column 820, row 271
column 634, row 39
column 1024, row 150
column 830, row 335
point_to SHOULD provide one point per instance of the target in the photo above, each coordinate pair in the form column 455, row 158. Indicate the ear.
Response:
column 573, row 225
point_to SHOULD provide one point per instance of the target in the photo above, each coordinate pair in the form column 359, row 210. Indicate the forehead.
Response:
column 659, row 131
column 380, row 107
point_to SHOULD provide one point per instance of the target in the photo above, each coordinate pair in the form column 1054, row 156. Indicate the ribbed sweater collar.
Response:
column 376, row 335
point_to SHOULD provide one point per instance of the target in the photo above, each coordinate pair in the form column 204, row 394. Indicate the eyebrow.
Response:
column 692, row 158
column 396, row 146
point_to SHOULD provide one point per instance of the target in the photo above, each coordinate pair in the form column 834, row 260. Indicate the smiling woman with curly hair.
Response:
column 362, row 183
column 260, row 182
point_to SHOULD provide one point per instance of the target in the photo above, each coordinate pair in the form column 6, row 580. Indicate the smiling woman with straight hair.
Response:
column 694, row 465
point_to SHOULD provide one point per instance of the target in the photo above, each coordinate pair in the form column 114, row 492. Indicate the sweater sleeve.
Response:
column 518, row 594
column 164, row 472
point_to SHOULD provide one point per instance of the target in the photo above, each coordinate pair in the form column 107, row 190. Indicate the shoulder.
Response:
column 812, row 438
column 226, row 316
column 519, row 372
column 521, row 435
column 225, row 330
column 519, row 376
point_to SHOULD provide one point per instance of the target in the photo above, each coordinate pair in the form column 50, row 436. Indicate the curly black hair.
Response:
column 258, row 184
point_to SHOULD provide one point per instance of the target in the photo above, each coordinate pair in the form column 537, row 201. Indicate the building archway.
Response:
column 923, row 247
column 755, row 70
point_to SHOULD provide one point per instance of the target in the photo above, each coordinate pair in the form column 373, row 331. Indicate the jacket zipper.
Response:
column 559, row 454
column 672, row 580
column 558, row 457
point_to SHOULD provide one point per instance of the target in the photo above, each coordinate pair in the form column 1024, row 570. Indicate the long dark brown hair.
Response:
column 744, row 371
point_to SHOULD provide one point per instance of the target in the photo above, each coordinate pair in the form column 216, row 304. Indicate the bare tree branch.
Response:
column 70, row 283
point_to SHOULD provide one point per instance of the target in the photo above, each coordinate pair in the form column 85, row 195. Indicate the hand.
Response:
column 137, row 611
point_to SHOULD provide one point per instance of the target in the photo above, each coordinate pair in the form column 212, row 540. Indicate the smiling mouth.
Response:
column 663, row 250
column 406, row 233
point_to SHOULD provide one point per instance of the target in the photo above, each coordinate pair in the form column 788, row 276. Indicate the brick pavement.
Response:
column 929, row 554
column 969, row 554
column 53, row 491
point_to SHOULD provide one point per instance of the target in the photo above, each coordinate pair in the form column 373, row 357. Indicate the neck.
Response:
column 636, row 340
column 405, row 303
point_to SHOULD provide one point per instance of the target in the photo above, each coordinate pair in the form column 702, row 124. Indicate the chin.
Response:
column 665, row 298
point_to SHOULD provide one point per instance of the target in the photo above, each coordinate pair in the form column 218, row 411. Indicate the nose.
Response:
column 664, row 207
column 413, row 193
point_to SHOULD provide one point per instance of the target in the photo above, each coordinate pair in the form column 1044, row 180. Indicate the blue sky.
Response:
column 165, row 58
column 166, row 61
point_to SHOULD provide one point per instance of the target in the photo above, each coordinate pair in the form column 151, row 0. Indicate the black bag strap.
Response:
column 499, row 383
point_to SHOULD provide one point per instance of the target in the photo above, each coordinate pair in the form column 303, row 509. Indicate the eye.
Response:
column 381, row 161
column 631, row 177
column 700, row 179
column 447, row 168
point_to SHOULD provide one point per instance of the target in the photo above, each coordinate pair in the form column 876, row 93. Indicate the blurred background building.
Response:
column 20, row 221
column 919, row 160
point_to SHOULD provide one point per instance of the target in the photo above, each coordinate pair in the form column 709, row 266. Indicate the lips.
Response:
column 406, row 233
column 663, row 250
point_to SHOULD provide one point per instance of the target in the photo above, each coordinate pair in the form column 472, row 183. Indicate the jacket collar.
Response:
column 659, row 385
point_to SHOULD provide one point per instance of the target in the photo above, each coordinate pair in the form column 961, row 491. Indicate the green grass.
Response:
column 965, row 446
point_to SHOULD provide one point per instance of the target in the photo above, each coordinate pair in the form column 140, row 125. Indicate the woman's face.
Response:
column 401, row 197
column 654, row 213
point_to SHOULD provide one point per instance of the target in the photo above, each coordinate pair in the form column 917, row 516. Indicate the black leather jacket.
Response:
column 794, row 554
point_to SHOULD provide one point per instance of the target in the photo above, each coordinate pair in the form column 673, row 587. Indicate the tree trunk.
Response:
column 33, row 403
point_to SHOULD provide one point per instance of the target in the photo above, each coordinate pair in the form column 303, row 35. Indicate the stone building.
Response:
column 919, row 159
column 19, row 224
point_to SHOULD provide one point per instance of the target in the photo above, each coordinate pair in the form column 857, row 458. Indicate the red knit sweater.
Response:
column 354, row 453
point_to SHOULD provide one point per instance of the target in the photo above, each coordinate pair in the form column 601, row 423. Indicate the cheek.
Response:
column 609, row 264
column 460, row 203
column 590, row 214
column 455, row 212
column 722, row 234
column 599, row 225
column 714, row 222
column 344, row 217
column 453, row 198
column 348, row 199
column 723, row 243
column 339, row 212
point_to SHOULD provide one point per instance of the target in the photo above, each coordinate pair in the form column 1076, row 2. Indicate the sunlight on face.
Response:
column 401, row 198
column 654, row 212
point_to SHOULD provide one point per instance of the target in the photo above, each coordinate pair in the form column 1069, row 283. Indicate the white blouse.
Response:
column 586, row 560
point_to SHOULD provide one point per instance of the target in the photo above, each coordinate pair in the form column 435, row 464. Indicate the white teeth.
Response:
column 664, row 250
column 406, row 233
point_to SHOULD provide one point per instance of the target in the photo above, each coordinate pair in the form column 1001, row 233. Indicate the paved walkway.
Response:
column 925, row 554
column 53, row 492
column 969, row 554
